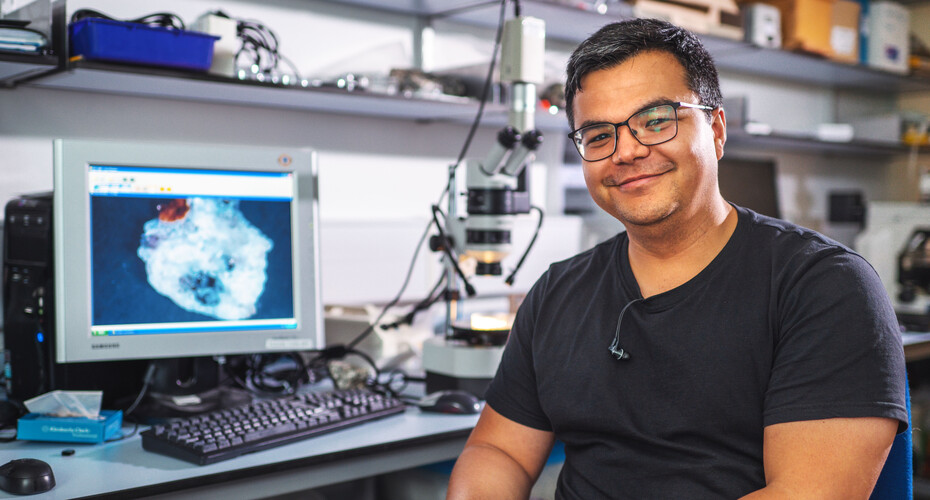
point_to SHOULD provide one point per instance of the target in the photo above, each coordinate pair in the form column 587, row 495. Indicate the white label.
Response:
column 186, row 400
column 843, row 40
column 289, row 344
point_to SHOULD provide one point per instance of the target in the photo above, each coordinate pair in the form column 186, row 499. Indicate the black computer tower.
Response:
column 29, row 314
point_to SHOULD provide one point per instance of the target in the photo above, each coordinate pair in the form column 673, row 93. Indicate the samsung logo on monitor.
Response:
column 113, row 345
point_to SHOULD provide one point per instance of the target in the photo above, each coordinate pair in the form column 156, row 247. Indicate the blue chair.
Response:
column 896, row 481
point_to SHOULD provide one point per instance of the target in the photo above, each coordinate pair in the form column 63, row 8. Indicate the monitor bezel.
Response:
column 72, row 250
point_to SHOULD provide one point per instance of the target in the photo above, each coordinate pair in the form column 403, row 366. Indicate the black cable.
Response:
column 284, row 381
column 340, row 351
column 434, row 295
column 397, row 381
column 484, row 95
column 162, row 19
column 261, row 44
column 146, row 383
column 135, row 429
column 529, row 247
column 447, row 248
column 397, row 297
column 516, row 8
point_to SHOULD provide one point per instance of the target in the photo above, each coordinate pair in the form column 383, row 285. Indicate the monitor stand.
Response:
column 185, row 387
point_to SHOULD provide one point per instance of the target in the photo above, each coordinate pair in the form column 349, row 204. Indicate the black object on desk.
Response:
column 26, row 476
column 451, row 401
column 224, row 434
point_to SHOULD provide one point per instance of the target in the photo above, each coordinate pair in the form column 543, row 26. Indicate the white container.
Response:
column 762, row 25
column 888, row 47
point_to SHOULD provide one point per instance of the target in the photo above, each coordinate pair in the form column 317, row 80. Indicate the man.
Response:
column 708, row 351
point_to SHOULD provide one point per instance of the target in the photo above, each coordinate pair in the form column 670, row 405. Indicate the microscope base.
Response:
column 457, row 365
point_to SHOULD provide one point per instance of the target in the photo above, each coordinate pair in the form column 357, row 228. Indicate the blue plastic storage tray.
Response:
column 107, row 40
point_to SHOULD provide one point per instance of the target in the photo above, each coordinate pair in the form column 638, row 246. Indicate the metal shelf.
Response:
column 16, row 67
column 739, row 140
column 572, row 24
column 163, row 83
column 796, row 143
column 744, row 58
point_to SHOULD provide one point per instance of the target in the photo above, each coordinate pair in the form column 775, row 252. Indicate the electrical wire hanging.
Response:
column 339, row 351
column 260, row 49
column 162, row 19
column 486, row 89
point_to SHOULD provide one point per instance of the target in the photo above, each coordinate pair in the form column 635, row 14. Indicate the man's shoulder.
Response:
column 787, row 239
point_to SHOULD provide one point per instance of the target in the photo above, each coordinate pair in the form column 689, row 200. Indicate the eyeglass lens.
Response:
column 650, row 127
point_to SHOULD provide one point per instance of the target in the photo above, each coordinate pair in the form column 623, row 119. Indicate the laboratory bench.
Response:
column 122, row 469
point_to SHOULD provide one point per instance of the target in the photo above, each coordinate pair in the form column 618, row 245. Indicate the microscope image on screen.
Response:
column 190, row 259
column 206, row 257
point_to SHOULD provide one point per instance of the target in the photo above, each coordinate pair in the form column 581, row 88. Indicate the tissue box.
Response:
column 41, row 427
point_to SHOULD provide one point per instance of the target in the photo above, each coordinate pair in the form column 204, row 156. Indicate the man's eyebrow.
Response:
column 658, row 101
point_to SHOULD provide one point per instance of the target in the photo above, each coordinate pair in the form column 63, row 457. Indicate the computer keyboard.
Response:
column 263, row 424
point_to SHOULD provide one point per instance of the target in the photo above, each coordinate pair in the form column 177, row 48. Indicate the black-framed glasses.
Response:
column 649, row 127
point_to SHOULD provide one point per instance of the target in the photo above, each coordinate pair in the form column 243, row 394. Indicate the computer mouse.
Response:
column 450, row 401
column 26, row 476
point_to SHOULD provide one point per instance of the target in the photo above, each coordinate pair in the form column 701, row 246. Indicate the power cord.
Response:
column 446, row 246
column 340, row 351
column 435, row 295
column 260, row 44
column 162, row 19
column 486, row 89
column 529, row 247
column 270, row 374
column 358, row 339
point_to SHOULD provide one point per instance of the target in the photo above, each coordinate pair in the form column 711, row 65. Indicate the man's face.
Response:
column 645, row 185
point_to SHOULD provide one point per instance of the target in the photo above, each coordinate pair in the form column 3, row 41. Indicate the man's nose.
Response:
column 628, row 148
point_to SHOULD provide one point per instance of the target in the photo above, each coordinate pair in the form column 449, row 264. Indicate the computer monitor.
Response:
column 750, row 183
column 179, row 250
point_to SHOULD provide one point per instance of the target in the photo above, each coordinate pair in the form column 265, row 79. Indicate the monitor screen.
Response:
column 166, row 251
column 750, row 183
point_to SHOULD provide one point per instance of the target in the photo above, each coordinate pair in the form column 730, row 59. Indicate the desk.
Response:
column 123, row 469
column 916, row 345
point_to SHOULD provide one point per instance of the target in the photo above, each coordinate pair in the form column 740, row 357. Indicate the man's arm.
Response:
column 501, row 460
column 833, row 458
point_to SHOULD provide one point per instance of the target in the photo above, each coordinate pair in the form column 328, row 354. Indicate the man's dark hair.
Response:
column 616, row 42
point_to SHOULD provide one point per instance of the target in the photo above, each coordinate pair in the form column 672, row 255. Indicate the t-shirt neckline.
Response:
column 671, row 297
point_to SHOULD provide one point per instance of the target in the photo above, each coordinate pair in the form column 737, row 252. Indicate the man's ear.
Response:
column 719, row 126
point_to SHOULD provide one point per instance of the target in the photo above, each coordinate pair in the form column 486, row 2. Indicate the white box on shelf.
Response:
column 762, row 25
column 224, row 49
column 888, row 47
column 881, row 128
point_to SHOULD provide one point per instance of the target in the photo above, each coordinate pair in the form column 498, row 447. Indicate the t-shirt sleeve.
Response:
column 838, row 349
column 513, row 391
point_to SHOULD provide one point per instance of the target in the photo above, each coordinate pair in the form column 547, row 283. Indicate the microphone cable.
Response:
column 615, row 349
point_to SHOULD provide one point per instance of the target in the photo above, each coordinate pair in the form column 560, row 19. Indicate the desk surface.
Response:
column 916, row 345
column 123, row 469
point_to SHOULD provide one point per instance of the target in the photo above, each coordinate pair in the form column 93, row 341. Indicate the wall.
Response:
column 376, row 172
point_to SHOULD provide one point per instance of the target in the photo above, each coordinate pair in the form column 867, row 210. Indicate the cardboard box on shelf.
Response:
column 889, row 47
column 806, row 25
column 713, row 17
column 844, row 31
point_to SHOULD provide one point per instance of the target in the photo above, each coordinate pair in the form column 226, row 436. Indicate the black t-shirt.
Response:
column 783, row 325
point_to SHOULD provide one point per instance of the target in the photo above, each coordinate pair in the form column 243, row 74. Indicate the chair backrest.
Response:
column 896, row 481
